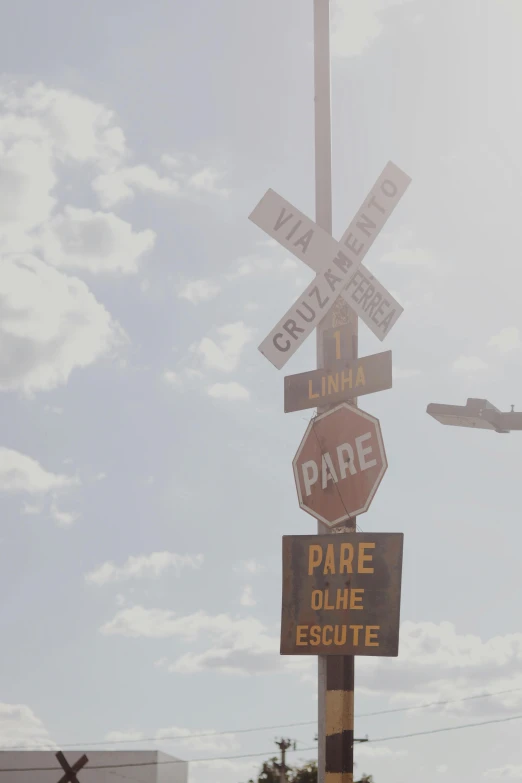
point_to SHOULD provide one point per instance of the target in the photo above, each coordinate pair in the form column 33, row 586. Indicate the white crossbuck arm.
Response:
column 338, row 264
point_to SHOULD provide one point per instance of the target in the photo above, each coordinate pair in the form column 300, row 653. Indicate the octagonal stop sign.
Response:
column 339, row 464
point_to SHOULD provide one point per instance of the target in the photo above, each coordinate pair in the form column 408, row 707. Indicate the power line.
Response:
column 437, row 703
column 448, row 728
column 271, row 728
column 268, row 752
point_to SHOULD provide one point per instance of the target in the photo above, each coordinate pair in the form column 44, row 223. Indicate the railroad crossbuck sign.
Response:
column 339, row 464
column 338, row 264
column 71, row 772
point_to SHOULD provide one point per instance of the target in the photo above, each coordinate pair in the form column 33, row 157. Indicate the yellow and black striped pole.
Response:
column 339, row 719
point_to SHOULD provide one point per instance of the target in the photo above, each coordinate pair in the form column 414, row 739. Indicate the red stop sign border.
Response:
column 382, row 453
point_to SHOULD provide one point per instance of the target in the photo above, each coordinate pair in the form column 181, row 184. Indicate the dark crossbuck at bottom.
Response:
column 71, row 772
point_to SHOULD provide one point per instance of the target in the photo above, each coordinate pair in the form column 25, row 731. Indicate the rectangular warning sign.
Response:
column 341, row 594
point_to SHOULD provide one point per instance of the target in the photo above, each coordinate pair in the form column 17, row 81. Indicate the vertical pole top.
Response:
column 323, row 132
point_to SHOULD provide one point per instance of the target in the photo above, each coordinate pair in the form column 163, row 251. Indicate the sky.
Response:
column 145, row 458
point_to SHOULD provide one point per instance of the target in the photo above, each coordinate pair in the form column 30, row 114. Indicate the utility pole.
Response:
column 283, row 745
column 335, row 672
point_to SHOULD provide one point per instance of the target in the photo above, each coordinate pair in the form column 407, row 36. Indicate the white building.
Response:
column 139, row 766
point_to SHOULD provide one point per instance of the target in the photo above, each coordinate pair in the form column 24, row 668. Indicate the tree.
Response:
column 269, row 772
column 305, row 774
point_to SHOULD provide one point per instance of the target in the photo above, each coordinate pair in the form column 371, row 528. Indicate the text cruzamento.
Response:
column 334, row 270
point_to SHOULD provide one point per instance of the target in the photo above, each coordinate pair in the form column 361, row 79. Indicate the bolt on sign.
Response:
column 339, row 464
column 342, row 594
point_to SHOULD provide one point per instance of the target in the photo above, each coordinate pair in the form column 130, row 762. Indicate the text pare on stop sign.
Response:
column 339, row 464
column 347, row 459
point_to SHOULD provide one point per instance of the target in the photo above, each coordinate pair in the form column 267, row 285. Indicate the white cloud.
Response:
column 50, row 324
column 20, row 473
column 356, row 24
column 195, row 176
column 404, row 252
column 506, row 340
column 228, row 391
column 163, row 624
column 53, row 409
column 120, row 184
column 191, row 372
column 31, row 508
column 39, row 128
column 173, row 379
column 408, row 256
column 250, row 567
column 469, row 364
column 247, row 598
column 187, row 179
column 196, row 291
column 508, row 771
column 124, row 736
column 240, row 645
column 224, row 770
column 63, row 518
column 399, row 374
column 289, row 263
column 436, row 663
column 172, row 162
column 99, row 242
column 185, row 379
column 374, row 752
column 26, row 180
column 138, row 567
column 225, row 354
column 206, row 180
column 250, row 265
column 19, row 727
column 442, row 769
column 188, row 739
column 58, row 325
column 185, row 738
column 76, row 128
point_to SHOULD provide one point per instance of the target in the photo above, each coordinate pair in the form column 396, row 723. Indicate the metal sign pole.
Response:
column 335, row 673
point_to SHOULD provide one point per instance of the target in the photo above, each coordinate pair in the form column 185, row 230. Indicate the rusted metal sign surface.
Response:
column 339, row 464
column 339, row 345
column 341, row 594
column 343, row 382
